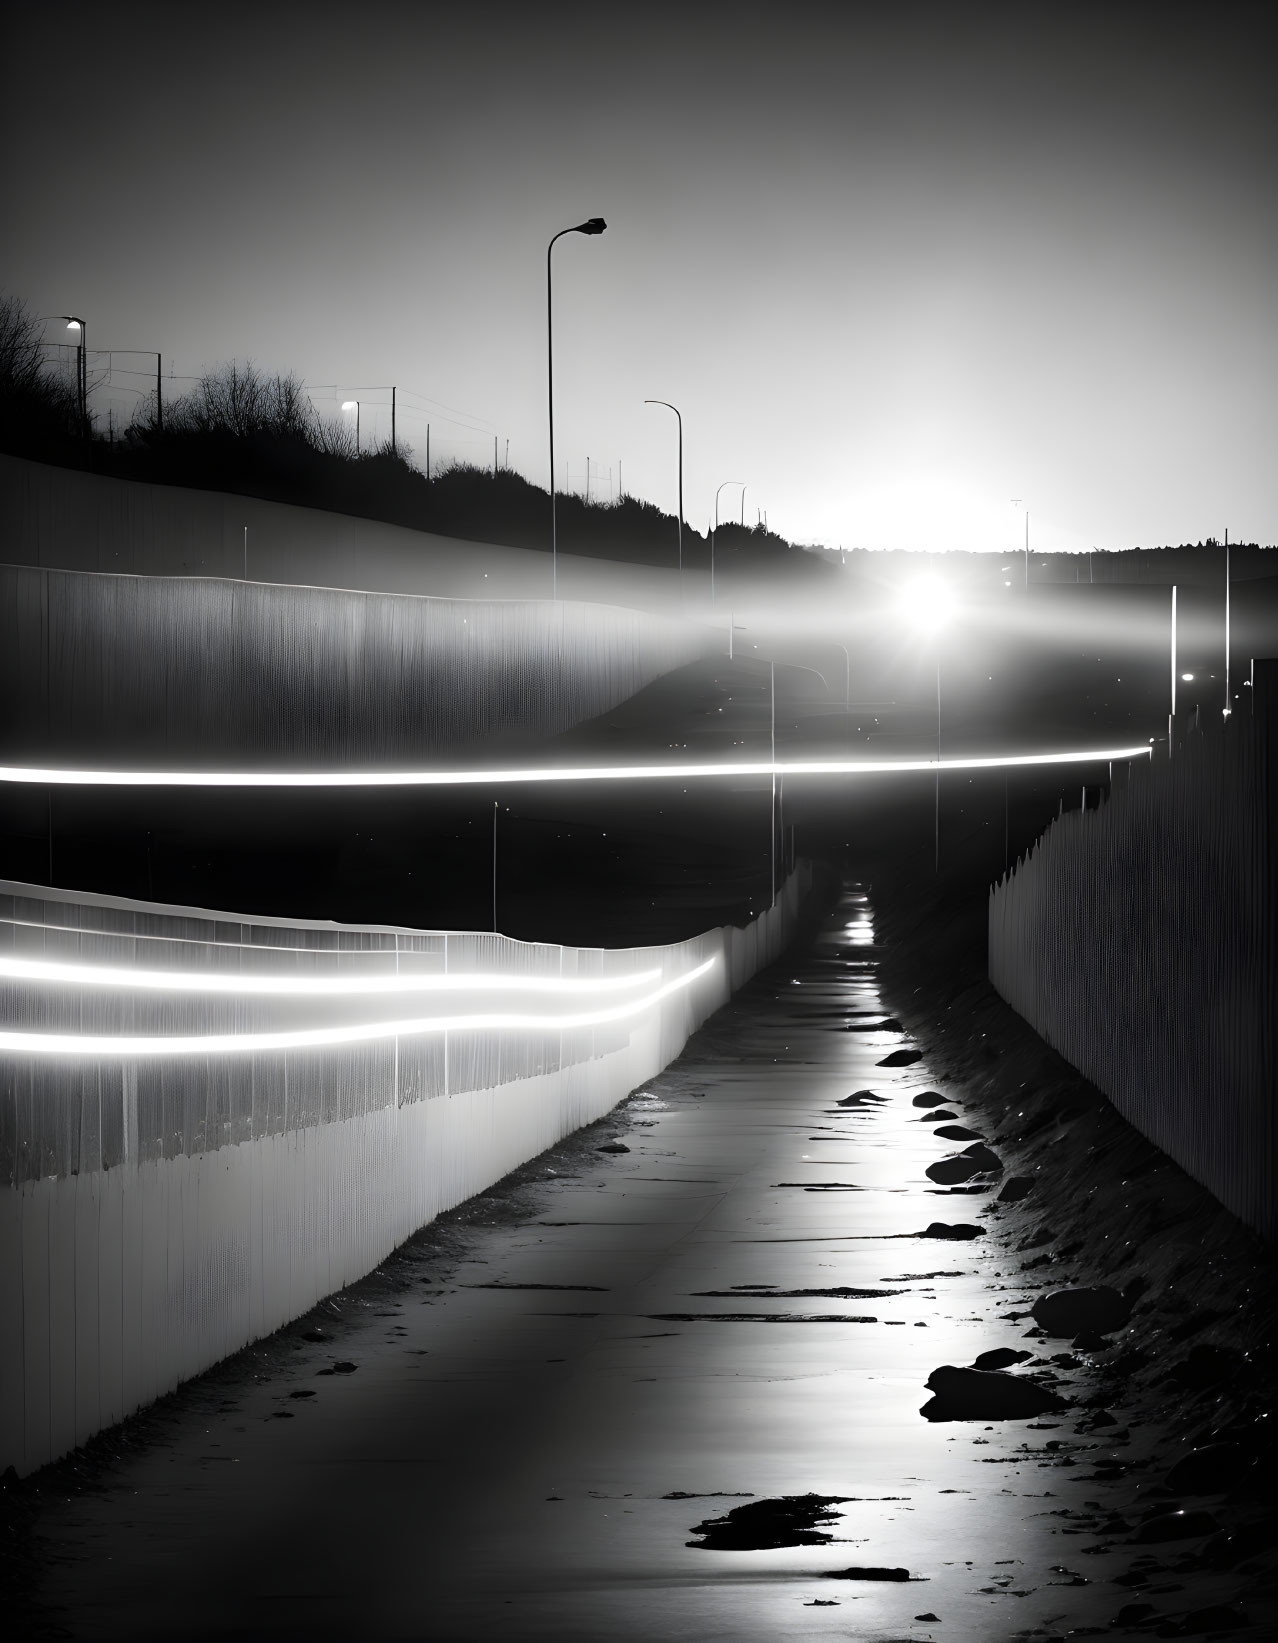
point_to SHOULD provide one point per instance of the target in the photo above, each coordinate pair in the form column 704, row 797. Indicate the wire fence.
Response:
column 1139, row 941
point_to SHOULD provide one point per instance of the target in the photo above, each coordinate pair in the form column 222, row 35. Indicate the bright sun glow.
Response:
column 55, row 1043
column 928, row 604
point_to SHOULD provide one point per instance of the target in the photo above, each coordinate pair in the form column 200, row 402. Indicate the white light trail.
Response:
column 196, row 981
column 24, row 1043
column 42, row 777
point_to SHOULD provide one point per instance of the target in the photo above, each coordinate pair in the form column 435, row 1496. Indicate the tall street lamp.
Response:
column 593, row 225
column 670, row 407
column 75, row 323
column 724, row 486
column 353, row 405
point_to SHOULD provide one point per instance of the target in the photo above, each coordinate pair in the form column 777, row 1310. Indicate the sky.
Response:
column 896, row 265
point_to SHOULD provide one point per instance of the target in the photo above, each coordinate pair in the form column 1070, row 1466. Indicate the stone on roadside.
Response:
column 900, row 1058
column 1001, row 1357
column 980, row 1394
column 1178, row 1525
column 1015, row 1188
column 949, row 1172
column 613, row 1146
column 1074, row 1312
column 1209, row 1470
column 956, row 1132
column 986, row 1160
column 950, row 1229
column 929, row 1098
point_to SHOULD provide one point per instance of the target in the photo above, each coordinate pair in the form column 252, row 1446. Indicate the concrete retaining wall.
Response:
column 1139, row 941
column 191, row 672
column 152, row 1221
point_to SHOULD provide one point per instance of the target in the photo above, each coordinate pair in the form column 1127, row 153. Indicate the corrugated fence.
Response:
column 1139, row 940
column 158, row 1212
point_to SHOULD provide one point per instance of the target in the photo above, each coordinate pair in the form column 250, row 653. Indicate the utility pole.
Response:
column 1228, row 709
column 159, row 398
column 394, row 447
column 494, row 867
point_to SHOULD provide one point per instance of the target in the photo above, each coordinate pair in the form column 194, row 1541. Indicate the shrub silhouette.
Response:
column 247, row 431
column 39, row 414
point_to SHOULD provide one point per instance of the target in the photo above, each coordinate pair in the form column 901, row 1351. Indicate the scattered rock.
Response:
column 1002, row 1357
column 948, row 1172
column 980, row 1394
column 1233, row 1546
column 338, row 1369
column 1206, row 1366
column 307, row 1392
column 942, row 1115
column 314, row 1335
column 855, row 1573
column 891, row 1025
column 986, row 1161
column 1130, row 1613
column 1015, row 1188
column 765, row 1525
column 1209, row 1470
column 1177, row 1525
column 1082, row 1311
column 1089, row 1341
column 929, row 1098
column 956, row 1132
column 928, row 1616
column 858, row 1098
column 900, row 1058
column 1218, row 1617
column 613, row 1146
column 958, row 1230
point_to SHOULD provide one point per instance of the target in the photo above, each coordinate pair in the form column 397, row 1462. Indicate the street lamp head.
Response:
column 350, row 405
column 593, row 225
column 73, row 324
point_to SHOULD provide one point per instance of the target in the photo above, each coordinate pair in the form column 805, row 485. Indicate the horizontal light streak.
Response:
column 570, row 773
column 119, row 1047
column 196, row 981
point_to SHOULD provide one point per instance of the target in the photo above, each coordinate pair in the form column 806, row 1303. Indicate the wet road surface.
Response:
column 517, row 1440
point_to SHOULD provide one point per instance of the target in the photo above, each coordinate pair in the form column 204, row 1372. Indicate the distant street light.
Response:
column 725, row 484
column 353, row 405
column 670, row 407
column 74, row 323
column 594, row 225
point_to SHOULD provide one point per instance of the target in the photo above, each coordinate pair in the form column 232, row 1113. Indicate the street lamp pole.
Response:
column 726, row 483
column 75, row 323
column 594, row 225
column 670, row 407
column 353, row 405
